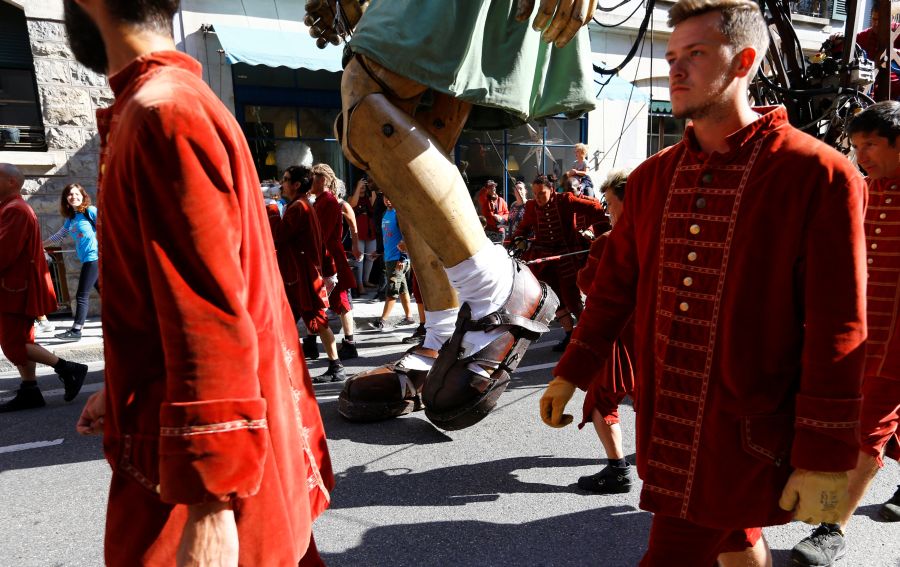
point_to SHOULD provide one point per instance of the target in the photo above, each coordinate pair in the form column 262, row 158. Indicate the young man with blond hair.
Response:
column 748, row 298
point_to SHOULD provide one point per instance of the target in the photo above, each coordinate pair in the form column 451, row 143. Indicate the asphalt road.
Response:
column 499, row 493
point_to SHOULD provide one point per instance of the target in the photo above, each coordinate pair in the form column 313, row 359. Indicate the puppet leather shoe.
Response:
column 457, row 397
column 388, row 391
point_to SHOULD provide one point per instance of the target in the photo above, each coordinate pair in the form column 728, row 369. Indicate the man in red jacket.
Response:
column 748, row 304
column 26, row 292
column 875, row 134
column 209, row 419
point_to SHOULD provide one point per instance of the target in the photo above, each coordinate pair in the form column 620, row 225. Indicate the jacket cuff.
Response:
column 577, row 364
column 826, row 433
column 212, row 450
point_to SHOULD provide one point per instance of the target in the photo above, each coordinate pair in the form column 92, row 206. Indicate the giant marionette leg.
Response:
column 395, row 389
column 504, row 307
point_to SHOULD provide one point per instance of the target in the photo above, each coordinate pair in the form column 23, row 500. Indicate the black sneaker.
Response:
column 417, row 337
column 310, row 348
column 335, row 373
column 561, row 345
column 610, row 480
column 380, row 325
column 890, row 510
column 347, row 350
column 71, row 335
column 822, row 548
column 72, row 375
column 27, row 397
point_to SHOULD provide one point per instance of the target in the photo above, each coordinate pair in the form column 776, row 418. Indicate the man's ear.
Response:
column 743, row 61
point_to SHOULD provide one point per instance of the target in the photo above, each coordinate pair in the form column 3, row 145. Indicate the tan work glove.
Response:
column 554, row 400
column 558, row 20
column 816, row 497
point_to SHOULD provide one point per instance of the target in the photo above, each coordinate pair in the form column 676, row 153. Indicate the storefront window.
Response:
column 519, row 153
column 663, row 130
column 282, row 136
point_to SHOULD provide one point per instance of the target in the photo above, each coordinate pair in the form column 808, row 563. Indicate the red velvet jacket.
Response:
column 208, row 397
column 25, row 285
column 556, row 224
column 328, row 210
column 747, row 285
column 298, row 241
column 883, row 265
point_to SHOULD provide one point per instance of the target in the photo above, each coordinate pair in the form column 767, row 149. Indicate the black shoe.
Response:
column 310, row 348
column 417, row 337
column 822, row 548
column 71, row 335
column 335, row 373
column 347, row 350
column 610, row 480
column 27, row 397
column 890, row 510
column 561, row 345
column 72, row 375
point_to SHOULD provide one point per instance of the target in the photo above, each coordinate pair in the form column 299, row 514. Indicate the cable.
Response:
column 596, row 21
column 637, row 68
column 617, row 6
column 638, row 41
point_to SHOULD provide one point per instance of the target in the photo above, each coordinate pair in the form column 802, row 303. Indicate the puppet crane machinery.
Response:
column 821, row 92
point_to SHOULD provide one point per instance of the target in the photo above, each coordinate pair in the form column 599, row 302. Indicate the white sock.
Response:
column 439, row 327
column 484, row 281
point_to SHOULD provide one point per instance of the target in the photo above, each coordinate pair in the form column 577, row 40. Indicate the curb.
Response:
column 94, row 352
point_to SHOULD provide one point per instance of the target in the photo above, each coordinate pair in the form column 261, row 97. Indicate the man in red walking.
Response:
column 208, row 415
column 748, row 300
column 26, row 292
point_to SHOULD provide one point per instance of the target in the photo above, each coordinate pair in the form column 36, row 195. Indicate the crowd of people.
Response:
column 751, row 323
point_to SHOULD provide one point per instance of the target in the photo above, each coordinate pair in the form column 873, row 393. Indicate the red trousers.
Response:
column 679, row 543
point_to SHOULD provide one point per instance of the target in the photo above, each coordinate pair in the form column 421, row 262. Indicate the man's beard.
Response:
column 85, row 38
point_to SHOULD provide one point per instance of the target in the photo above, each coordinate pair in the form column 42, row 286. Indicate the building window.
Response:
column 663, row 129
column 286, row 124
column 21, row 125
column 519, row 153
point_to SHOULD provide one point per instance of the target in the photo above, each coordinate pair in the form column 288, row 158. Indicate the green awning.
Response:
column 660, row 107
column 277, row 48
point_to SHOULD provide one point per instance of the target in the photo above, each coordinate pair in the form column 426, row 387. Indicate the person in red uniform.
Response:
column 26, row 292
column 208, row 415
column 748, row 380
column 494, row 209
column 339, row 277
column 298, row 245
column 875, row 135
column 557, row 220
column 615, row 379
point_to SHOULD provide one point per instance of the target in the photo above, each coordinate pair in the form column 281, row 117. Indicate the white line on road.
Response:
column 26, row 446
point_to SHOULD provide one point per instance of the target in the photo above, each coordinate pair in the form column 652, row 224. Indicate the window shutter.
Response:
column 15, row 49
column 840, row 10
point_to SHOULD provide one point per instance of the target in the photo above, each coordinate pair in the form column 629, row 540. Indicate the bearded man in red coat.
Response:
column 748, row 297
column 26, row 292
column 208, row 415
column 875, row 135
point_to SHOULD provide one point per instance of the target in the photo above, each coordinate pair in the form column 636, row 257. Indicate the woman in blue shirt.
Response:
column 81, row 224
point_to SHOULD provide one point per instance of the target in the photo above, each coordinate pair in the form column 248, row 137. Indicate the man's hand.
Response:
column 91, row 420
column 554, row 400
column 559, row 20
column 210, row 537
column 816, row 497
column 401, row 246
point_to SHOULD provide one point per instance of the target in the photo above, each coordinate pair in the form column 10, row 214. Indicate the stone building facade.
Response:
column 69, row 95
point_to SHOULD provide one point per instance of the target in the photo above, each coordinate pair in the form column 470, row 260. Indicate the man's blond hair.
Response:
column 742, row 23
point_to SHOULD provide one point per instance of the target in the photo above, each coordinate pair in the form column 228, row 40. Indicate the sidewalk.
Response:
column 366, row 310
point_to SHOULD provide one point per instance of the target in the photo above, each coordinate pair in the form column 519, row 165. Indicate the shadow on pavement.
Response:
column 461, row 484
column 614, row 536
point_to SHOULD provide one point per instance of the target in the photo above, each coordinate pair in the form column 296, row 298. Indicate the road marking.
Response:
column 26, row 446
